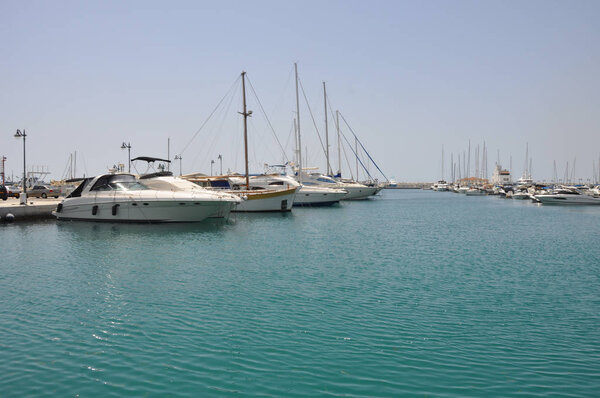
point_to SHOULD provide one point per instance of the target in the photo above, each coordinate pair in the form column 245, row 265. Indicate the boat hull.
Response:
column 567, row 199
column 359, row 193
column 476, row 193
column 315, row 196
column 266, row 201
column 146, row 210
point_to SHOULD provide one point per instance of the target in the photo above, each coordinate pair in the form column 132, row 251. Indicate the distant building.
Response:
column 500, row 176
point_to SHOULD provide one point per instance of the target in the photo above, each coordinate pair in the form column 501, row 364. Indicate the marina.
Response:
column 325, row 199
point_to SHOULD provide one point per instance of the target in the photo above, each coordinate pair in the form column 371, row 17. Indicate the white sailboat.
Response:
column 311, row 195
column 254, row 200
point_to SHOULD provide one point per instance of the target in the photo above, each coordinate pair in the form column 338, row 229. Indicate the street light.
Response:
column 176, row 158
column 128, row 147
column 221, row 163
column 20, row 134
column 211, row 165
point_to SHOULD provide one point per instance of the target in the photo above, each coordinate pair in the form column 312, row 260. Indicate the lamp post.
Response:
column 20, row 134
column 178, row 157
column 128, row 147
column 211, row 166
column 221, row 164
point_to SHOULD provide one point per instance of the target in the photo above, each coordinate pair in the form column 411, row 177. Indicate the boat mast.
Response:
column 469, row 161
column 298, row 127
column 337, row 124
column 296, row 140
column 326, row 130
column 246, row 114
column 356, row 152
column 442, row 162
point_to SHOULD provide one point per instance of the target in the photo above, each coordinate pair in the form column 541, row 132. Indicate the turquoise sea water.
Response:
column 415, row 293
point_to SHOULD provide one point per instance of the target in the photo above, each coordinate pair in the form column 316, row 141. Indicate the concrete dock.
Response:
column 34, row 209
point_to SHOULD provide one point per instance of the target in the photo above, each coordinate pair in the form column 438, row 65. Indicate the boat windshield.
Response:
column 127, row 186
column 119, row 182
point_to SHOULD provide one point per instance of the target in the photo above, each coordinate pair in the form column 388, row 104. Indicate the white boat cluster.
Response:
column 539, row 193
column 161, row 197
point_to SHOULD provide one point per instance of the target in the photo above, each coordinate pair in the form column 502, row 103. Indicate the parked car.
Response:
column 13, row 191
column 42, row 191
column 3, row 192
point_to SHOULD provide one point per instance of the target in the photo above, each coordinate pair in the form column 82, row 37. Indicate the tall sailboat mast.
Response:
column 246, row 114
column 442, row 162
column 298, row 126
column 326, row 130
column 469, row 161
column 356, row 152
column 337, row 124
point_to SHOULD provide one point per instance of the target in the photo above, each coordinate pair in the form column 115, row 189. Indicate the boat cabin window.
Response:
column 327, row 180
column 276, row 183
column 119, row 182
column 220, row 184
column 77, row 192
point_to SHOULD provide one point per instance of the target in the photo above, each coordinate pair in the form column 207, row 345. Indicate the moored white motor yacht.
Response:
column 567, row 196
column 521, row 195
column 440, row 186
column 123, row 198
column 355, row 190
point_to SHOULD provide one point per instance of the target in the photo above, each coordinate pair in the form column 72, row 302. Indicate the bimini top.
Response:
column 150, row 159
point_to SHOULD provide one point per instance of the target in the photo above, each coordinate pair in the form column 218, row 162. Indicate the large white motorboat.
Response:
column 123, row 198
column 521, row 195
column 568, row 196
column 440, row 186
column 356, row 191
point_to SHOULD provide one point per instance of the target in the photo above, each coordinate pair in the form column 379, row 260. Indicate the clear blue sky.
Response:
column 408, row 76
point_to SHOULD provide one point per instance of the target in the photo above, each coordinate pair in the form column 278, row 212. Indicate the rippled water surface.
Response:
column 413, row 293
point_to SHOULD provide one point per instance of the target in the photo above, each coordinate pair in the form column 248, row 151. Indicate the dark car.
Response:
column 13, row 191
column 3, row 192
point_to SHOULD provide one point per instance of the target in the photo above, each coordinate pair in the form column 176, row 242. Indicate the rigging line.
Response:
column 363, row 147
column 266, row 117
column 221, row 114
column 235, row 83
column 347, row 162
column 357, row 157
column 313, row 119
column 66, row 167
column 285, row 87
column 289, row 135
